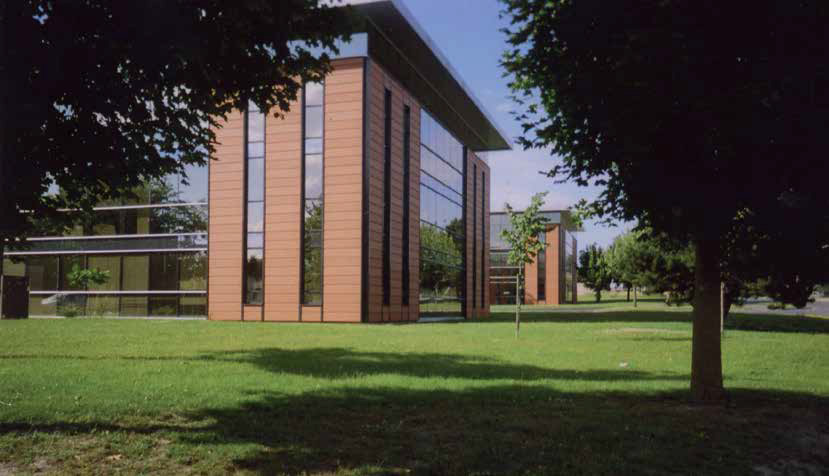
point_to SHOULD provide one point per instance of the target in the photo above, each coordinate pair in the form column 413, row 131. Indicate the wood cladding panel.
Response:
column 343, row 194
column 554, row 264
column 226, row 176
column 378, row 82
column 283, row 182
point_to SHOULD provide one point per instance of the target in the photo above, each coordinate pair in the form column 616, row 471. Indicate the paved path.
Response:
column 818, row 308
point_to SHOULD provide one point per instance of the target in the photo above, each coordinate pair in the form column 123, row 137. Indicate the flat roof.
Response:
column 399, row 44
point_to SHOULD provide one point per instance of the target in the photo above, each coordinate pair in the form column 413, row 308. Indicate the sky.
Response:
column 467, row 33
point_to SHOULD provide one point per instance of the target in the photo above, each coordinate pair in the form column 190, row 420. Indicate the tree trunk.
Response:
column 598, row 295
column 706, row 354
column 518, row 281
column 635, row 297
column 5, row 96
column 628, row 298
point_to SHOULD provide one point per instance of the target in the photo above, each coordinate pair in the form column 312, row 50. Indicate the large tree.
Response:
column 687, row 112
column 99, row 96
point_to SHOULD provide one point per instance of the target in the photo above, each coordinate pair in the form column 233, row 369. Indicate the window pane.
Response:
column 195, row 191
column 313, row 146
column 313, row 176
column 67, row 265
column 178, row 220
column 313, row 122
column 313, row 215
column 314, row 94
column 134, row 306
column 255, row 240
column 11, row 268
column 136, row 273
column 256, row 127
column 109, row 264
column 312, row 274
column 256, row 180
column 102, row 306
column 253, row 277
column 193, row 306
column 40, row 305
column 163, row 272
column 256, row 150
column 71, row 306
column 193, row 272
column 163, row 306
column 256, row 217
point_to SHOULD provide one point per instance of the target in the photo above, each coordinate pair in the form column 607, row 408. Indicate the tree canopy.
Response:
column 594, row 270
column 522, row 238
column 99, row 96
column 687, row 114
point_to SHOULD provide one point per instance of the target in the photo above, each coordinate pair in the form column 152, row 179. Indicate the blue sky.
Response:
column 466, row 32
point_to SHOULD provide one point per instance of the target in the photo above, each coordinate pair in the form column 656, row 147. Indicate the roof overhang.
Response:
column 399, row 44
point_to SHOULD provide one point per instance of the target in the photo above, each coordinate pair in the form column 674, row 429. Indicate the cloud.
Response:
column 506, row 106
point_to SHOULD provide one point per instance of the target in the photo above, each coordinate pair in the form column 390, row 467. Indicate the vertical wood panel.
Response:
column 224, row 292
column 283, row 181
column 379, row 81
column 343, row 192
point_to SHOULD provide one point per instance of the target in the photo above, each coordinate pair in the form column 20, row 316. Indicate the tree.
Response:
column 82, row 278
column 684, row 126
column 594, row 271
column 105, row 96
column 522, row 238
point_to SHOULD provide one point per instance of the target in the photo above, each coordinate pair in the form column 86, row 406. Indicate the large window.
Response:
column 387, row 199
column 569, row 266
column 139, row 285
column 442, row 233
column 407, row 137
column 255, row 210
column 541, row 259
column 474, row 233
column 483, row 236
column 312, row 194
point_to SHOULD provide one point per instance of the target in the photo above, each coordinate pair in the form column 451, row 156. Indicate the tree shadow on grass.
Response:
column 499, row 429
column 741, row 322
column 339, row 363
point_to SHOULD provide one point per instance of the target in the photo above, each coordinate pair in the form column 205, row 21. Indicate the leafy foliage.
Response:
column 524, row 245
column 109, row 95
column 594, row 270
column 684, row 127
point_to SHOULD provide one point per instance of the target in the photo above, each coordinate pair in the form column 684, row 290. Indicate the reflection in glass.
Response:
column 43, row 273
column 256, row 180
column 256, row 217
column 312, row 193
column 253, row 277
column 67, row 265
column 109, row 264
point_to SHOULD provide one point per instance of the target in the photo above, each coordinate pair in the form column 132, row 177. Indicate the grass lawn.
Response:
column 579, row 393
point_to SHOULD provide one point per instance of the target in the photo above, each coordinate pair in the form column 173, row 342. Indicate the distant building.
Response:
column 551, row 279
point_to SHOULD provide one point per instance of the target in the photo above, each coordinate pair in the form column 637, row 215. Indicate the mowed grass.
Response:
column 577, row 393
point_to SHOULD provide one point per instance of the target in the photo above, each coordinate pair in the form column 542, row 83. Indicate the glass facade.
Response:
column 387, row 198
column 407, row 139
column 153, row 245
column 502, row 277
column 569, row 266
column 541, row 259
column 255, row 209
column 139, row 285
column 312, row 193
column 442, row 227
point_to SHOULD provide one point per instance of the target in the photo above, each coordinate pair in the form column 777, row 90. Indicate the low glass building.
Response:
column 366, row 202
column 551, row 279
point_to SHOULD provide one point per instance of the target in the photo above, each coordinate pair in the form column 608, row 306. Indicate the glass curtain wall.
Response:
column 255, row 210
column 442, row 228
column 152, row 245
column 313, row 194
column 569, row 266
